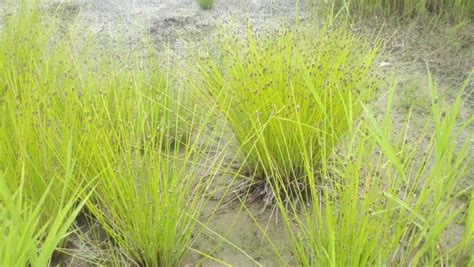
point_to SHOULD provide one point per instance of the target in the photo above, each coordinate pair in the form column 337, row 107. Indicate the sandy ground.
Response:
column 172, row 21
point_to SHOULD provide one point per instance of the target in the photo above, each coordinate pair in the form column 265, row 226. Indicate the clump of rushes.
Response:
column 386, row 200
column 152, row 181
column 34, row 108
column 40, row 190
column 116, row 119
column 455, row 9
column 206, row 4
column 289, row 94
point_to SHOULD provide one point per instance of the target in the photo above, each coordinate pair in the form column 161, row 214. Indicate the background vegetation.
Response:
column 205, row 4
column 454, row 9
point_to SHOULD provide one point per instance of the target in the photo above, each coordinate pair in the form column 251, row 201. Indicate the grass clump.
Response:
column 70, row 116
column 40, row 189
column 283, row 93
column 206, row 4
column 387, row 199
column 34, row 133
column 455, row 9
column 27, row 238
column 152, row 187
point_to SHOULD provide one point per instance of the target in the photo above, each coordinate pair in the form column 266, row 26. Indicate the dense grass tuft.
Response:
column 40, row 189
column 153, row 183
column 386, row 199
column 283, row 94
column 70, row 117
column 34, row 136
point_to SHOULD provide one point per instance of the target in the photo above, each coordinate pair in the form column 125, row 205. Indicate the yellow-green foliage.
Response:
column 283, row 93
column 117, row 134
column 151, row 184
column 456, row 9
column 71, row 117
column 33, row 124
column 40, row 191
column 387, row 200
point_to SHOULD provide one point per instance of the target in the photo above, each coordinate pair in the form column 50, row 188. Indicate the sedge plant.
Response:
column 386, row 198
column 27, row 239
column 105, row 112
column 152, row 180
column 35, row 107
column 41, row 190
column 276, row 90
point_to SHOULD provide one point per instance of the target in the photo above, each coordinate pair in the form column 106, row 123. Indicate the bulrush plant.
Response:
column 69, row 120
column 134, row 92
column 386, row 199
column 35, row 131
column 41, row 192
column 289, row 96
column 152, row 180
